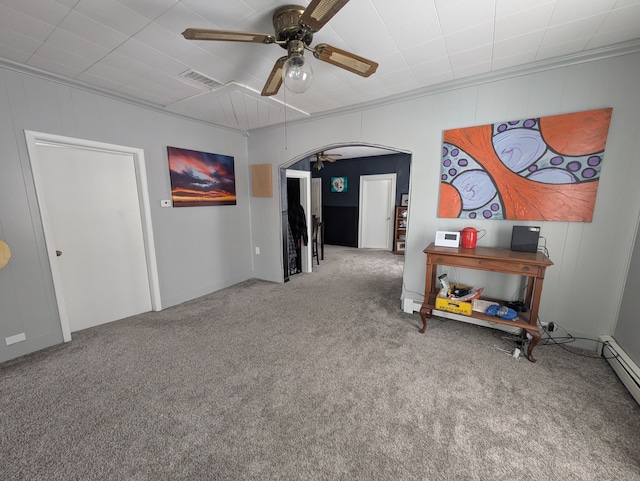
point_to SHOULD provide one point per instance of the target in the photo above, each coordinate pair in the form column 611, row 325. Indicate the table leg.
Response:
column 425, row 312
column 534, row 342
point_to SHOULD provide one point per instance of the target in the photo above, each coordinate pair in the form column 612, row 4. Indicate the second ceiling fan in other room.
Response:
column 294, row 28
column 321, row 157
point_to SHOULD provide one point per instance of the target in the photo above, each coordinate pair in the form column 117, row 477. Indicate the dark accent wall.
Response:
column 340, row 209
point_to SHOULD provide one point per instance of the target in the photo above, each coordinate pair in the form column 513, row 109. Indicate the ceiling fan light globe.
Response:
column 297, row 74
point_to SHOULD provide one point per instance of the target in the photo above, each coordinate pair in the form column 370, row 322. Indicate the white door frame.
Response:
column 316, row 187
column 38, row 138
column 390, row 215
column 305, row 201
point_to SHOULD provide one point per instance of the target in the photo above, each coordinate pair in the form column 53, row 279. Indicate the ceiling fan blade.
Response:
column 227, row 35
column 346, row 60
column 320, row 12
column 274, row 81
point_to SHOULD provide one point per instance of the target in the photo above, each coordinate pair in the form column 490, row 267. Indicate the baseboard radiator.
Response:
column 626, row 369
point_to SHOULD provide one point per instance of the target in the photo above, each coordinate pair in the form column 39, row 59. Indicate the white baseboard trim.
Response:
column 625, row 367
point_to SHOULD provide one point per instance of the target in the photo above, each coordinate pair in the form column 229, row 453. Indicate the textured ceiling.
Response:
column 135, row 48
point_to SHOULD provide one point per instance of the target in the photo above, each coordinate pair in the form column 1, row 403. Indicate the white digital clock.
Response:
column 447, row 239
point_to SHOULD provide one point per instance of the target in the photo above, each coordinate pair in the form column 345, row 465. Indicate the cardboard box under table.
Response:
column 444, row 303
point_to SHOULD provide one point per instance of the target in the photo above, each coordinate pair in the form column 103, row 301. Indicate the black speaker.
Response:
column 525, row 238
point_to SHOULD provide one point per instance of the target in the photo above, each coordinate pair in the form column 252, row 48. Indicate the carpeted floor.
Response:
column 321, row 378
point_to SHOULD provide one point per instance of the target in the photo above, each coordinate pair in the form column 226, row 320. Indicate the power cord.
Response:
column 543, row 248
column 560, row 341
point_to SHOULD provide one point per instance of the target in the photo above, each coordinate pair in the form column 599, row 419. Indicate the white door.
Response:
column 305, row 201
column 90, row 206
column 377, row 199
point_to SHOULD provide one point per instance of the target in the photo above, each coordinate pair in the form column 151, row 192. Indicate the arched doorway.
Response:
column 341, row 222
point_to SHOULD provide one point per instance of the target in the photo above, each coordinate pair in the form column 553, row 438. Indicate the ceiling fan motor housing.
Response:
column 286, row 22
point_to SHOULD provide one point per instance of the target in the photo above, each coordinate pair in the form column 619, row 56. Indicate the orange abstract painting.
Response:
column 545, row 168
column 200, row 178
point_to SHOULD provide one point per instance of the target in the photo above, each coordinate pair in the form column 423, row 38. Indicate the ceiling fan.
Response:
column 294, row 28
column 321, row 156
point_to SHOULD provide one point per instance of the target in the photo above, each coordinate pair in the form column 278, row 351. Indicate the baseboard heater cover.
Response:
column 626, row 369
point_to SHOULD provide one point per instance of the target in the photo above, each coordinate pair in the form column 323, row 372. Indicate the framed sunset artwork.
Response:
column 201, row 178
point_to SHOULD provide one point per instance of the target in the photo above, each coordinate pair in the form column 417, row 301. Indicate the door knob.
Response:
column 58, row 253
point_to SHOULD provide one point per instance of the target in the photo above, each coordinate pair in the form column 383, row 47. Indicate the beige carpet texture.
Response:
column 321, row 378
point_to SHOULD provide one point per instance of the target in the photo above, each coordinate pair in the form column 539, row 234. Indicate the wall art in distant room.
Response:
column 545, row 168
column 201, row 178
column 338, row 184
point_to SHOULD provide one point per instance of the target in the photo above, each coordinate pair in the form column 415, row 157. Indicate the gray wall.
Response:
column 583, row 289
column 627, row 332
column 199, row 249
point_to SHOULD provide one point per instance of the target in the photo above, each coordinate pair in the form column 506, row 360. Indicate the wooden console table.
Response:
column 529, row 264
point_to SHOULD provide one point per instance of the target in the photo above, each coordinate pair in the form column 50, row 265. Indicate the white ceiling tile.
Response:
column 47, row 63
column 461, row 41
column 505, row 8
column 431, row 68
column 425, row 52
column 150, row 9
column 528, row 20
column 568, row 32
column 112, row 14
column 92, row 31
column 521, row 58
column 398, row 77
column 476, row 69
column 465, row 15
column 371, row 46
column 559, row 49
column 63, row 57
column 628, row 17
column 358, row 19
column 397, row 13
column 569, row 10
column 111, row 75
column 13, row 53
column 20, row 42
column 180, row 18
column 143, row 53
column 407, row 35
column 24, row 24
column 166, row 41
column 99, row 80
column 516, row 45
column 45, row 11
column 77, row 46
column 122, row 62
column 611, row 38
column 471, row 57
column 224, row 14
column 391, row 63
column 435, row 79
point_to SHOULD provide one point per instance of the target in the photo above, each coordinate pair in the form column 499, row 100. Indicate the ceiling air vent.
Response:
column 199, row 80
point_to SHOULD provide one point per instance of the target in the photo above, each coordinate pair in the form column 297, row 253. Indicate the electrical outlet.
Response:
column 13, row 339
